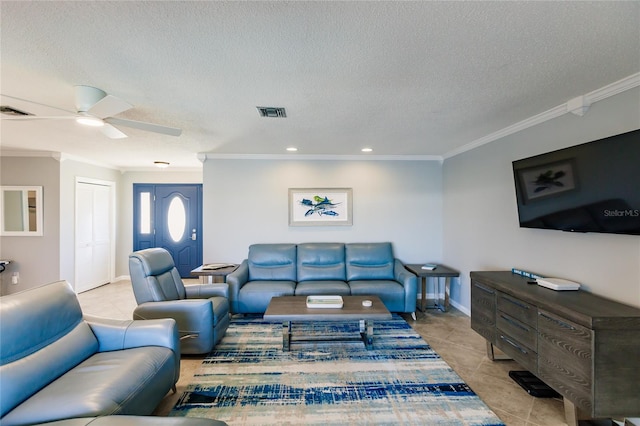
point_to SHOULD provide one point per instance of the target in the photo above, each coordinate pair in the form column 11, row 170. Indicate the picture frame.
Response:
column 547, row 180
column 320, row 207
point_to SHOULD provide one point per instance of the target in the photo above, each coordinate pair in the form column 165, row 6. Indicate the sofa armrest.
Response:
column 206, row 291
column 115, row 335
column 410, row 283
column 192, row 316
column 236, row 280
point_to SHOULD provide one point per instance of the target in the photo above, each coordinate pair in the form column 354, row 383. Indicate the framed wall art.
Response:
column 320, row 207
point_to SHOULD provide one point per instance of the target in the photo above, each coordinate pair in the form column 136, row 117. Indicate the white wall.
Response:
column 246, row 202
column 480, row 216
column 125, row 207
column 36, row 259
column 69, row 171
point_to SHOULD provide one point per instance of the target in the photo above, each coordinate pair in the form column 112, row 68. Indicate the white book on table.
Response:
column 324, row 301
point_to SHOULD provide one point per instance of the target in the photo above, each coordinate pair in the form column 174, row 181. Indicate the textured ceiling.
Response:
column 405, row 78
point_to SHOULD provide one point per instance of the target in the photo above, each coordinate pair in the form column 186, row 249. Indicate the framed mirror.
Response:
column 21, row 211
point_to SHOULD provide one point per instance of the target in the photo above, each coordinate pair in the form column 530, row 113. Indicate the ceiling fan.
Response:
column 94, row 107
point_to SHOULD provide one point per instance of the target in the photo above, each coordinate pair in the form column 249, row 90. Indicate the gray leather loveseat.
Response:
column 56, row 364
column 321, row 268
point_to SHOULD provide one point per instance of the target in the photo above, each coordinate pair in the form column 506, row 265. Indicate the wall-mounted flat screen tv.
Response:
column 592, row 187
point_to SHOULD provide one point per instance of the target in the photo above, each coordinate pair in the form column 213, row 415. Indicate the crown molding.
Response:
column 607, row 91
column 27, row 153
column 307, row 157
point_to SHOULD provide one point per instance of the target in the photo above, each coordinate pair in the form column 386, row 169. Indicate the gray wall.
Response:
column 246, row 202
column 36, row 259
column 480, row 216
column 41, row 260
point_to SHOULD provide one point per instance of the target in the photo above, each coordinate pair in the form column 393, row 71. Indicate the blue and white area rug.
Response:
column 249, row 380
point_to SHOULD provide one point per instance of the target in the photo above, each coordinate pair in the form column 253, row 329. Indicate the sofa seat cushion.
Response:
column 129, row 381
column 254, row 296
column 390, row 292
column 308, row 288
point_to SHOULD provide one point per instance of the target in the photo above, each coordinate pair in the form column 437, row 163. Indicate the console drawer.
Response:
column 518, row 309
column 524, row 355
column 522, row 332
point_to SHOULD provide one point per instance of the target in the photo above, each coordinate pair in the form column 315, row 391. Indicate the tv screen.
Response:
column 592, row 187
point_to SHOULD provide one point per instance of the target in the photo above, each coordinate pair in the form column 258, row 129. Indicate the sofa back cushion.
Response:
column 272, row 262
column 154, row 277
column 369, row 261
column 43, row 337
column 321, row 261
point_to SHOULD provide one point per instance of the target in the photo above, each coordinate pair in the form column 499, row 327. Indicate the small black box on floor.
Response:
column 533, row 385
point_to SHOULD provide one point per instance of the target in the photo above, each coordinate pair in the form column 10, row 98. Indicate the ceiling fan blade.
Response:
column 149, row 127
column 36, row 117
column 112, row 132
column 21, row 100
column 109, row 106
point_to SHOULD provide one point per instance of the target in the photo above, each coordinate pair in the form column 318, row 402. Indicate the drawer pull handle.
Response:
column 514, row 344
column 485, row 289
column 514, row 323
column 515, row 302
column 560, row 323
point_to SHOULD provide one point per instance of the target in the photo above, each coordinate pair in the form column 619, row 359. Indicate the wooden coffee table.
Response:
column 288, row 309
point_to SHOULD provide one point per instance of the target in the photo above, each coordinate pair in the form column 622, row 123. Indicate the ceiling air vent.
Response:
column 12, row 111
column 272, row 112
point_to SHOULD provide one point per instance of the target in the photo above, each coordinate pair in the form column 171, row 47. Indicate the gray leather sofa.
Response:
column 321, row 268
column 201, row 311
column 56, row 364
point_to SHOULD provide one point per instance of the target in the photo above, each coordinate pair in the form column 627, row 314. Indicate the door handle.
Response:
column 193, row 235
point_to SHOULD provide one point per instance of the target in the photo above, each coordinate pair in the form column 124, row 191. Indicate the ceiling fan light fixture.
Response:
column 161, row 164
column 90, row 121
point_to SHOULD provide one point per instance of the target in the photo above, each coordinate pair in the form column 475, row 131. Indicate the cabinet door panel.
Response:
column 565, row 358
column 483, row 311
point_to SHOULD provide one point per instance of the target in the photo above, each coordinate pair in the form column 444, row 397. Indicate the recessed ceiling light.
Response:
column 292, row 149
column 367, row 149
column 161, row 164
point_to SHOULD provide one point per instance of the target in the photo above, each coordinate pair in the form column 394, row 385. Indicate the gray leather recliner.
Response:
column 56, row 363
column 201, row 311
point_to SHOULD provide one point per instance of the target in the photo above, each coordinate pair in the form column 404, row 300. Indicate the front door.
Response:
column 170, row 216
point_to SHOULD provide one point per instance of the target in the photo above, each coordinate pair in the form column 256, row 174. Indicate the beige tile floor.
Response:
column 449, row 333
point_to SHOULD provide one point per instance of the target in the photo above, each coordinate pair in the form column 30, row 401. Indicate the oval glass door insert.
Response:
column 176, row 219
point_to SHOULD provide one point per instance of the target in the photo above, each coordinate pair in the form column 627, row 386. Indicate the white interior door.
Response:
column 93, row 235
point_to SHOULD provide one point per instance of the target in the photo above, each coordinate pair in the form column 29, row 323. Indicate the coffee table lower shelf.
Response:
column 366, row 336
column 288, row 309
